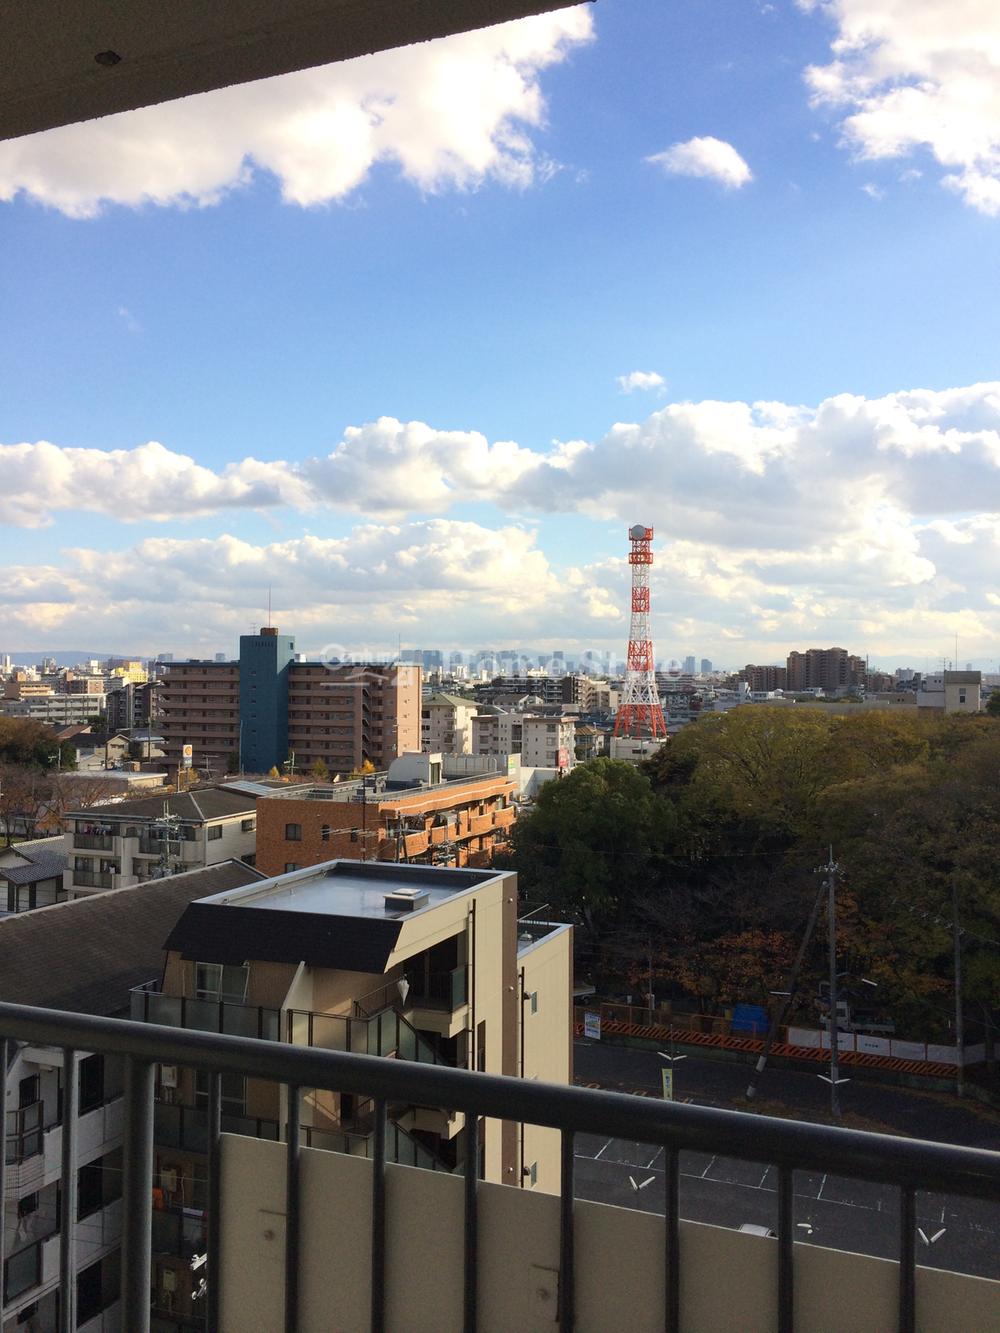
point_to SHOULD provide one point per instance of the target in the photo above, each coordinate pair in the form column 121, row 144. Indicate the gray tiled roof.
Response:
column 46, row 859
column 87, row 954
column 199, row 805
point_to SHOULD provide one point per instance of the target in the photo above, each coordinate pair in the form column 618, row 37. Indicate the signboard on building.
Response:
column 562, row 757
column 187, row 755
column 667, row 1078
column 592, row 1026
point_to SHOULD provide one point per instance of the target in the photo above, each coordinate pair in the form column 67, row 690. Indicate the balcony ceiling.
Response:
column 50, row 74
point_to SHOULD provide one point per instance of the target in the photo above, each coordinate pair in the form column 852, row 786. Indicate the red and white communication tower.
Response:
column 639, row 713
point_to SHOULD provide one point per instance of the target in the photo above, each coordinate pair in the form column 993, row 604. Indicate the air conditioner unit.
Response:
column 168, row 1076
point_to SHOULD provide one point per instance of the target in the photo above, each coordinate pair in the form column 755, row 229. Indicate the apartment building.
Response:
column 411, row 813
column 446, row 724
column 764, row 679
column 951, row 692
column 548, row 742
column 268, row 709
column 827, row 669
column 132, row 706
column 42, row 963
column 129, row 842
column 57, row 710
column 497, row 731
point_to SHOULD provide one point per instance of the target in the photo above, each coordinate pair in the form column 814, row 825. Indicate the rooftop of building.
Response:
column 34, row 860
column 196, row 806
column 378, row 787
column 87, row 954
column 342, row 914
column 531, row 933
column 452, row 700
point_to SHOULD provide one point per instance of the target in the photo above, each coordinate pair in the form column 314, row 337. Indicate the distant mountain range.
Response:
column 65, row 657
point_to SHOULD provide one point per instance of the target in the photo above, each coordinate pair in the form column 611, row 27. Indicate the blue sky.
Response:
column 495, row 285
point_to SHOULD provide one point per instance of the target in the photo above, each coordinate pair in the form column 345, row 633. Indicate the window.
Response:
column 293, row 832
column 533, row 1002
column 248, row 825
column 234, row 1092
column 22, row 1271
column 91, row 1083
column 27, row 1205
column 291, row 865
column 324, row 833
column 89, row 1187
column 221, row 981
column 214, row 831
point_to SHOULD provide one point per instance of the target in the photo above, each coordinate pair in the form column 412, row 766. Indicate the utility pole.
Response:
column 831, row 870
column 959, row 1026
column 786, row 996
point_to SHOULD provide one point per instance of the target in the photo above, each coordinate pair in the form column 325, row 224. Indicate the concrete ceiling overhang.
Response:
column 58, row 56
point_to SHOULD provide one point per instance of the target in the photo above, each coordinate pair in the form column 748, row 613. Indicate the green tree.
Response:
column 592, row 843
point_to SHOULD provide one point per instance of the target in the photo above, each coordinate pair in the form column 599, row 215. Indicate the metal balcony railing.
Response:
column 908, row 1164
column 92, row 879
column 24, row 1132
column 94, row 842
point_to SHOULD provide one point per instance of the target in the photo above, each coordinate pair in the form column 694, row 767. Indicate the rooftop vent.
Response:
column 406, row 900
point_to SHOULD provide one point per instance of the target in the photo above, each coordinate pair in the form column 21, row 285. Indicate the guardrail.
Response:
column 909, row 1164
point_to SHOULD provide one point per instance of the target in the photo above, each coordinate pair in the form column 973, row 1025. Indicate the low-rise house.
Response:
column 31, row 874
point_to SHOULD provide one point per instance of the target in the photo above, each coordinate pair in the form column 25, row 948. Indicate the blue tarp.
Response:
column 750, row 1018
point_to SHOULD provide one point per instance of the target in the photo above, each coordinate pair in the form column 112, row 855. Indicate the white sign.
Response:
column 909, row 1050
column 667, row 1077
column 873, row 1045
column 803, row 1037
column 187, row 755
column 592, row 1026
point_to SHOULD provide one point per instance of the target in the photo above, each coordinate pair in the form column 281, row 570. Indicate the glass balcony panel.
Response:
column 407, row 1047
column 167, row 1125
column 165, row 1009
column 360, row 1032
column 270, row 1025
column 22, row 1271
column 298, row 1027
column 203, row 1015
column 329, row 1032
column 240, row 1020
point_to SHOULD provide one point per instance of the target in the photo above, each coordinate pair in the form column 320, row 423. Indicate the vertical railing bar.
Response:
column 567, row 1310
column 907, row 1259
column 137, row 1194
column 672, row 1248
column 471, row 1258
column 786, row 1256
column 214, row 1266
column 378, row 1220
column 292, row 1211
column 68, row 1194
column 5, row 1048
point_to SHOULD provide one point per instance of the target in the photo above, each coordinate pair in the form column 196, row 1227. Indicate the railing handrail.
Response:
column 913, row 1163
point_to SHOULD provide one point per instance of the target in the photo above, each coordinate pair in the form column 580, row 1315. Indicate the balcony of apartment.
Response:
column 92, row 879
column 93, row 842
column 33, row 1148
column 426, row 1249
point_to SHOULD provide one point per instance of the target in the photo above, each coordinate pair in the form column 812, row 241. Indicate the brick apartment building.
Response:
column 267, row 708
column 764, row 679
column 828, row 669
column 408, row 814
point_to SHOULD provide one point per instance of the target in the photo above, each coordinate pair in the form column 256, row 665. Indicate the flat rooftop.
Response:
column 354, row 888
column 331, row 915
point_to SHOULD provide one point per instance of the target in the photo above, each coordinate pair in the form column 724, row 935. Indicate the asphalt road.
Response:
column 958, row 1234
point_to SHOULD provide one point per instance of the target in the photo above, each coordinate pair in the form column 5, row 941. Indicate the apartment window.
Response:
column 293, row 832
column 91, row 1076
column 291, row 865
column 27, row 1206
column 221, row 981
column 248, row 825
column 533, row 1002
column 961, row 696
column 324, row 833
column 214, row 832
column 22, row 1271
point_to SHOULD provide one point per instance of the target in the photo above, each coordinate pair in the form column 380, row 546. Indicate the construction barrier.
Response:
column 901, row 1057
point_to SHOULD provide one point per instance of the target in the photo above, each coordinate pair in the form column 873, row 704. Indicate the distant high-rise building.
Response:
column 220, row 657
column 164, row 657
column 825, row 668
column 706, row 665
column 764, row 679
column 689, row 665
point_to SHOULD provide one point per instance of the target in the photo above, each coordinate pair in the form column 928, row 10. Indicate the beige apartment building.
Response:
column 446, row 724
column 405, row 962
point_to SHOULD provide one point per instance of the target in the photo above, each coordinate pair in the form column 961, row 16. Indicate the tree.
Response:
column 24, row 790
column 592, row 843
column 993, row 704
column 319, row 771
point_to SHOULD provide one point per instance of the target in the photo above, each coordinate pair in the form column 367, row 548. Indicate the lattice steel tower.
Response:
column 639, row 713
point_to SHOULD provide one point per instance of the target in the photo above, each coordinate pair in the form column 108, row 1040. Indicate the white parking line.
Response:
column 604, row 1149
column 713, row 1161
column 822, row 1184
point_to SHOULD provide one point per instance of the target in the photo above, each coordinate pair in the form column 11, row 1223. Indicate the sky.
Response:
column 412, row 341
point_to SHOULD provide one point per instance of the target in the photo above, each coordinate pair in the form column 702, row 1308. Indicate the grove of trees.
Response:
column 700, row 866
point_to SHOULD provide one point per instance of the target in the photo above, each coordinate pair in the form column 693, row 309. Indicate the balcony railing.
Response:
column 95, row 842
column 229, row 1016
column 92, row 879
column 909, row 1165
column 25, row 1132
column 437, row 990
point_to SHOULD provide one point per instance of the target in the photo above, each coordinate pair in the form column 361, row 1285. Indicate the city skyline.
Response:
column 414, row 340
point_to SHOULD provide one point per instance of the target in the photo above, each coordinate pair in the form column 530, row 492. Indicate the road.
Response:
column 958, row 1234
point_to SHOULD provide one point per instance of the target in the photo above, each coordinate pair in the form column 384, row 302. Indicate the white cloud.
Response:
column 918, row 74
column 640, row 379
column 466, row 580
column 873, row 192
column 705, row 156
column 872, row 522
column 449, row 114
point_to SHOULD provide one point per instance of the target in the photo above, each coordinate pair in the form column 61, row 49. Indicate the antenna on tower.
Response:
column 269, row 606
column 640, row 711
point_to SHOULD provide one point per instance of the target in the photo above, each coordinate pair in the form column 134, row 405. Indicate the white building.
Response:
column 446, row 724
column 548, row 742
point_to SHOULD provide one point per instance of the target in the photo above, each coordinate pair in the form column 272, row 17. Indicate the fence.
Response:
column 664, row 1025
